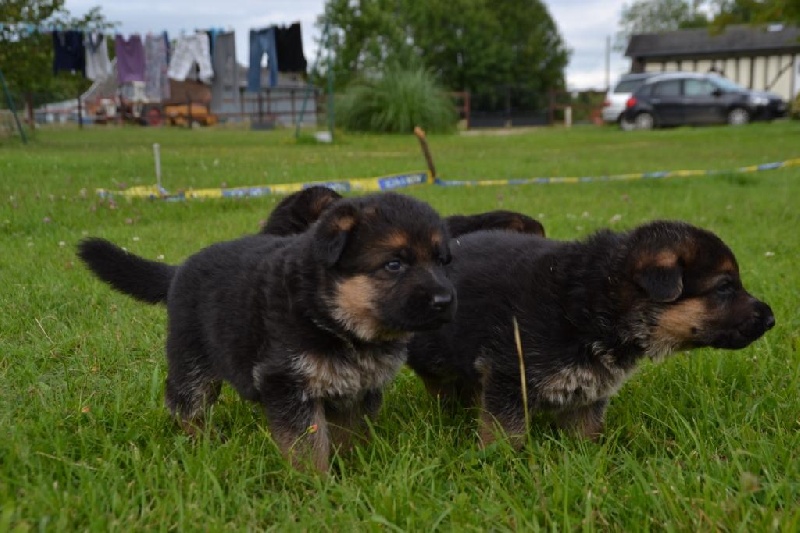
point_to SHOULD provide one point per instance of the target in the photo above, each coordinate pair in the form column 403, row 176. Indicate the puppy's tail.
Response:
column 130, row 274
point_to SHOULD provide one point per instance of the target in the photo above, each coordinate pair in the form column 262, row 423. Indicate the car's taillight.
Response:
column 631, row 102
column 606, row 103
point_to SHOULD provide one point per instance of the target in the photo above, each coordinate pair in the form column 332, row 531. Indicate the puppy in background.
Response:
column 586, row 313
column 503, row 220
column 312, row 327
column 296, row 212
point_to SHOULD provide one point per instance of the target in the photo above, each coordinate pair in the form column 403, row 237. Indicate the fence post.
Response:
column 467, row 106
column 80, row 113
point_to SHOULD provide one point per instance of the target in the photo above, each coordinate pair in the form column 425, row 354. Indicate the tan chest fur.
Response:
column 573, row 386
column 341, row 378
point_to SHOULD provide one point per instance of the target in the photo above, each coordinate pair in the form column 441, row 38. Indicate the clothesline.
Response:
column 27, row 28
column 153, row 59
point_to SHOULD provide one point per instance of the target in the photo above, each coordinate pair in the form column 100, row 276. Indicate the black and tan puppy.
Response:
column 295, row 213
column 311, row 326
column 500, row 219
column 587, row 313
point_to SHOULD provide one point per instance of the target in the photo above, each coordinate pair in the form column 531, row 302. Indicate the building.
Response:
column 757, row 57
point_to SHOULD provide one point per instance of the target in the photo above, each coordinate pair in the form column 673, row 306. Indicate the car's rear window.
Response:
column 628, row 86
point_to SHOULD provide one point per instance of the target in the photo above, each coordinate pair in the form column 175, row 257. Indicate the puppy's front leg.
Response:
column 500, row 411
column 586, row 421
column 298, row 425
column 350, row 421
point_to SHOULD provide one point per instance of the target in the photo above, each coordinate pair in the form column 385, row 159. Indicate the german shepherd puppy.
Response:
column 311, row 326
column 295, row 213
column 587, row 312
column 500, row 219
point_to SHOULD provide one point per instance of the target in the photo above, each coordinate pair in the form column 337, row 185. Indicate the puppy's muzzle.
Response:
column 442, row 305
column 755, row 324
column 764, row 317
column 442, row 301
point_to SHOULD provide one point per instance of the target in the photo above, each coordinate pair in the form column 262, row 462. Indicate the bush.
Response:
column 794, row 108
column 396, row 102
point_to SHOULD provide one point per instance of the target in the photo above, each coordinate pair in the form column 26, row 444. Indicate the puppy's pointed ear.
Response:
column 660, row 276
column 332, row 232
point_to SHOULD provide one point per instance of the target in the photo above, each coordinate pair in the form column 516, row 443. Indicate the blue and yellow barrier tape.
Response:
column 384, row 183
column 620, row 177
column 410, row 179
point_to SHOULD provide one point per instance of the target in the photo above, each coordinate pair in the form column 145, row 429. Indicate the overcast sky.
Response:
column 584, row 24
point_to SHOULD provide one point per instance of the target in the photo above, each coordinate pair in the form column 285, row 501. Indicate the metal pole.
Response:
column 331, row 120
column 608, row 63
column 309, row 85
column 80, row 113
column 13, row 109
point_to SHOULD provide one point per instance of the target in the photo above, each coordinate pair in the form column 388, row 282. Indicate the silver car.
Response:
column 618, row 95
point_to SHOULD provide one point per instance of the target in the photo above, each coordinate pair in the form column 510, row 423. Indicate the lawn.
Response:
column 707, row 440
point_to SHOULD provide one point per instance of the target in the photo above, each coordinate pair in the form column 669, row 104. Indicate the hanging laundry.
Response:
column 68, row 52
column 168, row 48
column 226, row 79
column 130, row 58
column 98, row 66
column 189, row 50
column 212, row 38
column 156, row 66
column 262, row 42
column 289, row 42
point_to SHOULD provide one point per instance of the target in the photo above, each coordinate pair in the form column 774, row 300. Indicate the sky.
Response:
column 584, row 25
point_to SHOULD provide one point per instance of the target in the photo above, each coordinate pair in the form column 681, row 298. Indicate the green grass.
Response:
column 704, row 441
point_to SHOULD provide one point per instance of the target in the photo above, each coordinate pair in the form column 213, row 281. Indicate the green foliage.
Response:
column 795, row 107
column 706, row 441
column 474, row 45
column 755, row 11
column 27, row 58
column 396, row 102
column 654, row 16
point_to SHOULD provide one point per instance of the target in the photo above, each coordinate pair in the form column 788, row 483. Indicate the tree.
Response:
column 26, row 52
column 755, row 11
column 481, row 46
column 656, row 16
column 363, row 35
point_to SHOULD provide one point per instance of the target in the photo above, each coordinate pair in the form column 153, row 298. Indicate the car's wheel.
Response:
column 625, row 124
column 644, row 121
column 738, row 116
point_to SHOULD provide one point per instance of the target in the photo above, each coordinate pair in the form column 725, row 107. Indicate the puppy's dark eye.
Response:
column 725, row 288
column 445, row 260
column 394, row 266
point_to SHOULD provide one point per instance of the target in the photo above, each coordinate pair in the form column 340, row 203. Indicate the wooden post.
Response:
column 80, row 113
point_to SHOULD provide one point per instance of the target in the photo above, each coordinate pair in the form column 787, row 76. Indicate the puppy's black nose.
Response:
column 769, row 321
column 442, row 301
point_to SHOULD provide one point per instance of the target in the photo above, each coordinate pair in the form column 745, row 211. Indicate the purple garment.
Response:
column 130, row 58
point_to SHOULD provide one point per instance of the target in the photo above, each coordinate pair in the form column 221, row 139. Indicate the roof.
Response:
column 733, row 40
